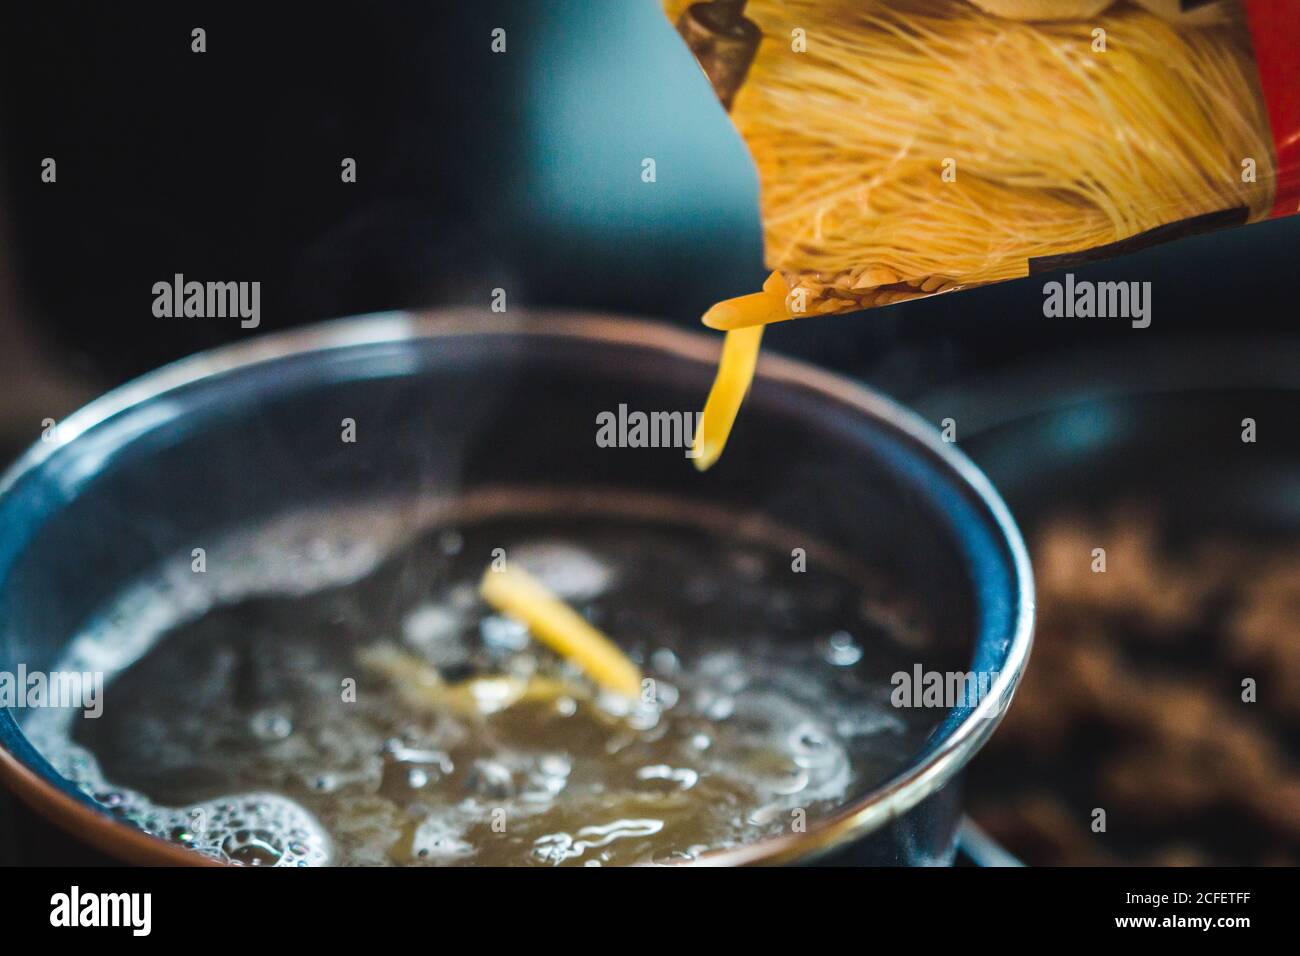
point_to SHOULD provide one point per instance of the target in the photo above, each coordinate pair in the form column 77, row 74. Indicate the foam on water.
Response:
column 294, row 555
column 229, row 736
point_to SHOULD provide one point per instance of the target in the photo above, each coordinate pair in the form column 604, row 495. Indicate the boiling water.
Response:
column 289, row 722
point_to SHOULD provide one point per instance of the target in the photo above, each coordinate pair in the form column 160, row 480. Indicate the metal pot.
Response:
column 451, row 402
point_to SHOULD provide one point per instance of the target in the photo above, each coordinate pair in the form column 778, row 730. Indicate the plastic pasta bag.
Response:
column 910, row 147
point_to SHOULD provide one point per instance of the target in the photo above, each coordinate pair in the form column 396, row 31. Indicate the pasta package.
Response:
column 906, row 148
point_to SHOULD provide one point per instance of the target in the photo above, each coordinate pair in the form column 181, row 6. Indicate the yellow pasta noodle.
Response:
column 735, row 372
column 514, row 591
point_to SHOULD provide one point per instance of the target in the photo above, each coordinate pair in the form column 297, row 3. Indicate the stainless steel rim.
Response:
column 889, row 801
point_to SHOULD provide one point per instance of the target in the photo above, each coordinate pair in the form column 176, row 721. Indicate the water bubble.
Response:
column 666, row 695
column 811, row 746
column 491, row 779
column 684, row 777
column 554, row 848
column 440, row 839
column 270, row 725
column 431, row 758
column 842, row 650
column 643, row 715
column 252, row 848
column 555, row 765
column 431, row 624
column 719, row 707
column 503, row 633
column 558, row 847
column 664, row 661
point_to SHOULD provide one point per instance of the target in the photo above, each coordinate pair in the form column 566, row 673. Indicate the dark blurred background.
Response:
column 475, row 170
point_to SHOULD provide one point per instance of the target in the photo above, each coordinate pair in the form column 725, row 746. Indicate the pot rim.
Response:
column 891, row 799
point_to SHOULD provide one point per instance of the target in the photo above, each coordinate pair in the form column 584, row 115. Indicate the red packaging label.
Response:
column 1275, row 34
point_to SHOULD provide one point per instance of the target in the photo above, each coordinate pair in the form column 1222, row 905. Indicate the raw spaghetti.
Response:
column 910, row 147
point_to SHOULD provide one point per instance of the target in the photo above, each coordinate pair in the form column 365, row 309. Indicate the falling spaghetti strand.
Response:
column 735, row 372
